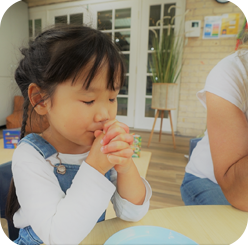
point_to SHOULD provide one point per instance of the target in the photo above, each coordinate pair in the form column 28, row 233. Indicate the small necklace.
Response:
column 61, row 169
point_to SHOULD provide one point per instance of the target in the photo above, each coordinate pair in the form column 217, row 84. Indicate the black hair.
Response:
column 58, row 54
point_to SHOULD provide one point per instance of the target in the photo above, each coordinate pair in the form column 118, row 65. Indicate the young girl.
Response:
column 64, row 178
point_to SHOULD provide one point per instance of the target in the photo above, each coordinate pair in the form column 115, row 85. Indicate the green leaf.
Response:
column 166, row 60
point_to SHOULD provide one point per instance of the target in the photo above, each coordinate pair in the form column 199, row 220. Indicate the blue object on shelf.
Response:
column 11, row 138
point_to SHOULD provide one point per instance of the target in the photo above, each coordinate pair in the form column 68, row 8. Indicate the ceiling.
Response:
column 33, row 3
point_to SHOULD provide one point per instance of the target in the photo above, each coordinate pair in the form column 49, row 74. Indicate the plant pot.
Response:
column 164, row 96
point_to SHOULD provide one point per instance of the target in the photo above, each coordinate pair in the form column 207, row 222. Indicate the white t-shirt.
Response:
column 59, row 218
column 229, row 80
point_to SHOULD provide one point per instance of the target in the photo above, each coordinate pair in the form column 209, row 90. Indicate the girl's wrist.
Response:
column 125, row 170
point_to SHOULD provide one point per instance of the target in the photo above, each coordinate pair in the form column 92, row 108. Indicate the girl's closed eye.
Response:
column 92, row 101
column 88, row 102
column 112, row 100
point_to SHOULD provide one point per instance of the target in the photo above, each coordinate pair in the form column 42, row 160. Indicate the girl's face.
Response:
column 76, row 113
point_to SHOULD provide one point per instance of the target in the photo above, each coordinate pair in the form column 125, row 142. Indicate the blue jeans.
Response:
column 27, row 237
column 198, row 191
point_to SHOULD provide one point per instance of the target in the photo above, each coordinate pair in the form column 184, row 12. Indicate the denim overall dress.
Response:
column 26, row 235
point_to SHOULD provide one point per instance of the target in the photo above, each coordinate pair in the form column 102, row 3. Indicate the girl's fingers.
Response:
column 116, row 123
column 127, row 153
column 108, row 124
column 114, row 146
column 117, row 160
column 123, row 137
column 113, row 131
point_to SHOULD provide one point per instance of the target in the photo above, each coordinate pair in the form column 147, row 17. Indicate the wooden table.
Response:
column 203, row 224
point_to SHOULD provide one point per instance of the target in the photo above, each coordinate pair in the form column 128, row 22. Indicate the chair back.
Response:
column 192, row 145
column 5, row 179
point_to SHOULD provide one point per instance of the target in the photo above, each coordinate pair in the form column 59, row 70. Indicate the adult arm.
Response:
column 228, row 137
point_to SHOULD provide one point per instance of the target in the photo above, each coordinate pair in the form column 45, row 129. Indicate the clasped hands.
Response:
column 111, row 148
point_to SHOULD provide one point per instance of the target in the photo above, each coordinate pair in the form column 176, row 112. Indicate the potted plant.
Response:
column 166, row 68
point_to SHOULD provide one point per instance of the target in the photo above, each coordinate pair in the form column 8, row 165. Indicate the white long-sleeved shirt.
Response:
column 59, row 218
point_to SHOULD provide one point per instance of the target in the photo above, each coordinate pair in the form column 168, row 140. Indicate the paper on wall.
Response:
column 230, row 25
column 212, row 26
column 226, row 25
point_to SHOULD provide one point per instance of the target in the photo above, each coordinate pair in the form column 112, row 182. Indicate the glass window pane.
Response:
column 124, row 89
column 122, row 40
column 126, row 61
column 122, row 106
column 152, row 34
column 122, row 18
column 168, row 31
column 61, row 19
column 150, row 66
column 155, row 12
column 109, row 34
column 30, row 26
column 76, row 19
column 169, row 10
column 149, row 85
column 149, row 112
column 104, row 20
column 37, row 27
column 166, row 114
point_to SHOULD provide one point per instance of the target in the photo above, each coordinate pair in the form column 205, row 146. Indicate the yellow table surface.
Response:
column 203, row 224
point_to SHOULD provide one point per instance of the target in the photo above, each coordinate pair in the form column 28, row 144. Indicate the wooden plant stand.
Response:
column 162, row 116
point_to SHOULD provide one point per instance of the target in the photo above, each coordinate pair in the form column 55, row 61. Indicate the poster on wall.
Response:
column 229, row 25
column 212, row 25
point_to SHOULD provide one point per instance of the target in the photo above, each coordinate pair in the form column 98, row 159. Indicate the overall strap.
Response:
column 41, row 145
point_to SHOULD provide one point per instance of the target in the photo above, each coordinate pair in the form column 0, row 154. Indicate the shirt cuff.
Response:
column 129, row 211
column 96, row 179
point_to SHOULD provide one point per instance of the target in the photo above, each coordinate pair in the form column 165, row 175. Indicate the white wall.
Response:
column 13, row 35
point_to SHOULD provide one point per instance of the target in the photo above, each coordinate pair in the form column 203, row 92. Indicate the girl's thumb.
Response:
column 97, row 133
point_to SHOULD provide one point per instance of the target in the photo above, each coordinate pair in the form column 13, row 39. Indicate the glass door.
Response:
column 70, row 15
column 119, row 20
column 158, row 16
column 36, row 23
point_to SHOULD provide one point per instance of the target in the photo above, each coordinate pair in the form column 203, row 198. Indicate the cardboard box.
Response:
column 136, row 146
column 11, row 137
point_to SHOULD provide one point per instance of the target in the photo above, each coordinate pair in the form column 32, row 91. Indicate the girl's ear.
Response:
column 36, row 99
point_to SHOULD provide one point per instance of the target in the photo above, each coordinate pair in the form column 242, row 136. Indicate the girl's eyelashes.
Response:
column 112, row 100
column 92, row 101
column 88, row 102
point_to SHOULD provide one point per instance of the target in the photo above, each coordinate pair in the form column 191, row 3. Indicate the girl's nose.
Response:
column 102, row 115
